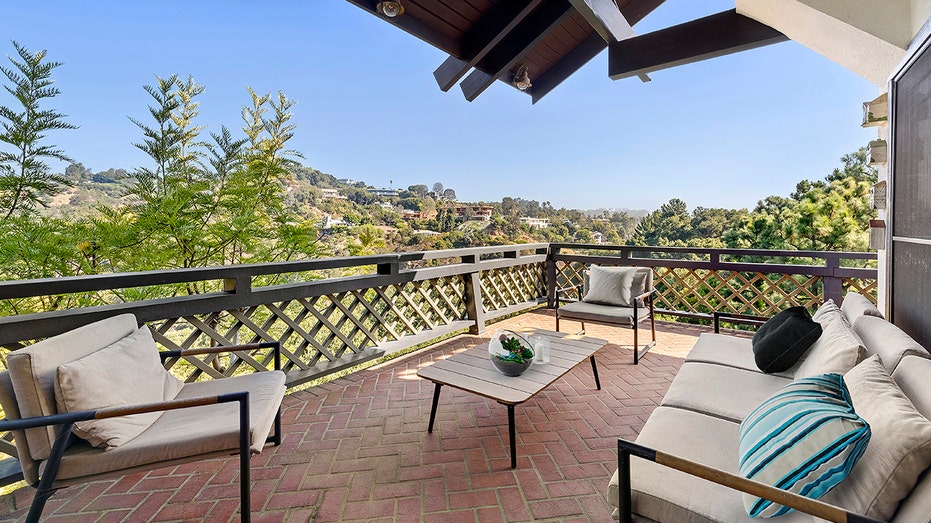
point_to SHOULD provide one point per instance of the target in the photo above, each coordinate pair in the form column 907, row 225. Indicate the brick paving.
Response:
column 357, row 448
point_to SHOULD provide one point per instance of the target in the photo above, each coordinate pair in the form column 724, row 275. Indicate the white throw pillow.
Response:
column 614, row 285
column 128, row 372
column 899, row 451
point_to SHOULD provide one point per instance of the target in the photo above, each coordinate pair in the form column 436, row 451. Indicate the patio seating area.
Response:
column 357, row 448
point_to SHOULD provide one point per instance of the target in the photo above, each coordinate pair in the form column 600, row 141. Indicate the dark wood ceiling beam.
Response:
column 633, row 12
column 716, row 35
column 415, row 27
column 508, row 53
column 605, row 18
column 488, row 32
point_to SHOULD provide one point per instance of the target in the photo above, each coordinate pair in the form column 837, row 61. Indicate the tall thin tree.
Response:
column 25, row 177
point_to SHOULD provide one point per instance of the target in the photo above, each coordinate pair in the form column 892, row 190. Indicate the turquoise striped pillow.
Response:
column 805, row 439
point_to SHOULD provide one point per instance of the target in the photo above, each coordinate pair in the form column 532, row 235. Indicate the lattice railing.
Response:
column 314, row 332
column 513, row 285
column 689, row 286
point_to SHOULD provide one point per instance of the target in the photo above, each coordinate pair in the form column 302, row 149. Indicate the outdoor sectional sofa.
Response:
column 719, row 385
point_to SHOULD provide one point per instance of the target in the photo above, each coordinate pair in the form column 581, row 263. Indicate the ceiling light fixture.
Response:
column 522, row 79
column 391, row 9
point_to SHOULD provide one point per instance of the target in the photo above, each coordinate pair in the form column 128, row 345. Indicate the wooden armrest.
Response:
column 748, row 319
column 113, row 412
column 783, row 497
column 164, row 355
column 646, row 294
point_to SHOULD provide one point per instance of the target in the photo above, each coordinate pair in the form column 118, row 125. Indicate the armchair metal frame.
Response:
column 65, row 422
column 646, row 296
column 626, row 449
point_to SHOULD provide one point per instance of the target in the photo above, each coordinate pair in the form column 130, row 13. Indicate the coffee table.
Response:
column 472, row 371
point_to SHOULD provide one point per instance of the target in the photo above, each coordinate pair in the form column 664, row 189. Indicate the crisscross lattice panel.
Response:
column 313, row 330
column 697, row 290
column 868, row 287
column 512, row 285
column 757, row 293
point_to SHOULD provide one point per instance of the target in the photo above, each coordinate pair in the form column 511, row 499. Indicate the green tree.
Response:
column 832, row 214
column 671, row 224
column 25, row 177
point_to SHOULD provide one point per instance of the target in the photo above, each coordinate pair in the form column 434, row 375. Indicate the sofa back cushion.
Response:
column 128, row 372
column 911, row 375
column 33, row 370
column 899, row 451
column 838, row 349
column 890, row 342
column 855, row 306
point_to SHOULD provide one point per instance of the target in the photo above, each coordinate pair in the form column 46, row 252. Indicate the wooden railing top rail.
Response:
column 384, row 263
column 628, row 249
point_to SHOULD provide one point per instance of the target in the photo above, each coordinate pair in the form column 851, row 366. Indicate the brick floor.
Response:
column 357, row 448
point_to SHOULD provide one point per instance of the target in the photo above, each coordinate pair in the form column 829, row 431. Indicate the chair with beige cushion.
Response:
column 97, row 401
column 618, row 296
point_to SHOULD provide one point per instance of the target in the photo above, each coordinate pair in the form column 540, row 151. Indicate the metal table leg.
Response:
column 595, row 372
column 512, row 436
column 436, row 401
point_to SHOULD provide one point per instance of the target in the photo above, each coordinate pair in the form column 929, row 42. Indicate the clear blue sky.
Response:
column 725, row 132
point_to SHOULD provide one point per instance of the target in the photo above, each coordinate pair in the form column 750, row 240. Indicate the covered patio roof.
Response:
column 549, row 40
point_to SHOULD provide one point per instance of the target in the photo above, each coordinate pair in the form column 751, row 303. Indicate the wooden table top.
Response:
column 472, row 370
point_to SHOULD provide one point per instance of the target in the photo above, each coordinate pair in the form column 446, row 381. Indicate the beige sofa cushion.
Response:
column 838, row 349
column 890, row 342
column 664, row 494
column 730, row 351
column 911, row 376
column 128, row 372
column 855, row 306
column 194, row 431
column 710, row 389
column 899, row 450
column 33, row 370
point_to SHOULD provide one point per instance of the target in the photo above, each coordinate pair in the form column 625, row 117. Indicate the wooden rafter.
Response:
column 716, row 35
column 493, row 27
column 508, row 53
column 588, row 49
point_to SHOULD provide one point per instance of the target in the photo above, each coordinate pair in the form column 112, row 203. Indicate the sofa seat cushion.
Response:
column 128, row 372
column 900, row 449
column 730, row 351
column 33, row 370
column 724, row 392
column 584, row 311
column 805, row 439
column 193, row 431
column 838, row 349
column 889, row 341
column 664, row 494
column 911, row 375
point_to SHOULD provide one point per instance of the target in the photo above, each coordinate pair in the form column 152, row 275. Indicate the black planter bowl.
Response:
column 511, row 368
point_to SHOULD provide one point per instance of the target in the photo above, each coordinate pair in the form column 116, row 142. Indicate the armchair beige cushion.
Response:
column 90, row 383
column 33, row 371
column 616, row 286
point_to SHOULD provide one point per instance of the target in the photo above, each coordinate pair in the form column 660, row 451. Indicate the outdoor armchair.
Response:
column 97, row 402
column 617, row 296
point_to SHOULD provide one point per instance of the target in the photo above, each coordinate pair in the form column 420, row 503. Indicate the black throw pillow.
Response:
column 782, row 340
